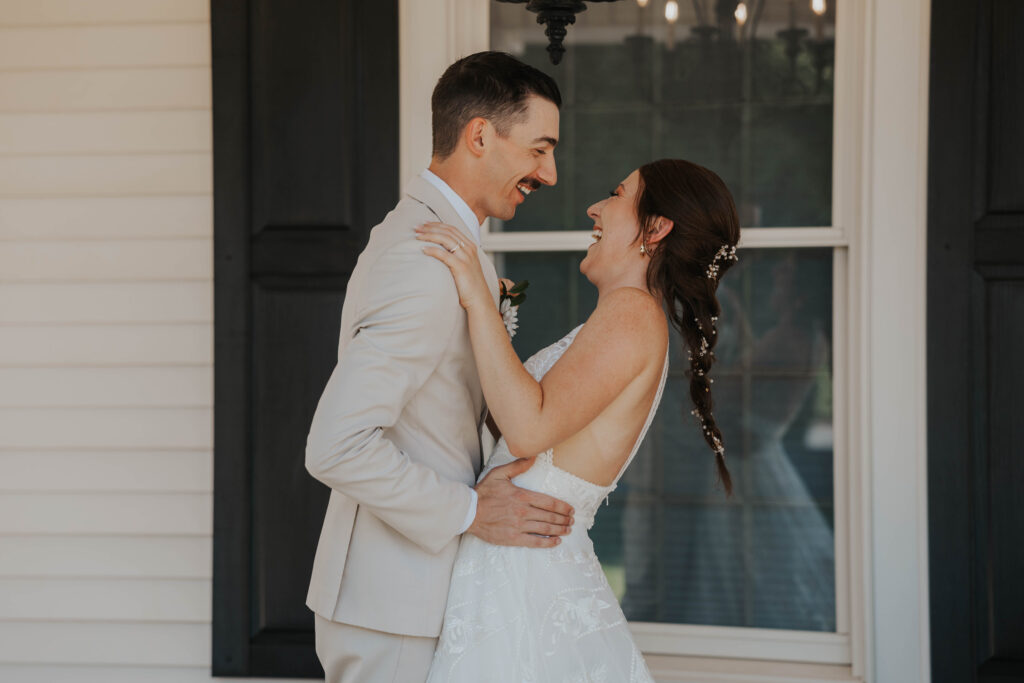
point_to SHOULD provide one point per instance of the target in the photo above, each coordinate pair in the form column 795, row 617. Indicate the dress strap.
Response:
column 647, row 424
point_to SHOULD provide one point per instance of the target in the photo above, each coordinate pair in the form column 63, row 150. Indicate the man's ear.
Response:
column 662, row 227
column 475, row 135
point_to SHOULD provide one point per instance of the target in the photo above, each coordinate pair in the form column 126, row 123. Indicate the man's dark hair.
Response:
column 492, row 85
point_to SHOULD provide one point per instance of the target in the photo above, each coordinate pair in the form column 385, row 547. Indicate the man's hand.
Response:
column 509, row 515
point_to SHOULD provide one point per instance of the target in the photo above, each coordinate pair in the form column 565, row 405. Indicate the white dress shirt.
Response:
column 457, row 202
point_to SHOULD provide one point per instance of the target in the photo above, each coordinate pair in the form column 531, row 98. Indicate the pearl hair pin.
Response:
column 726, row 253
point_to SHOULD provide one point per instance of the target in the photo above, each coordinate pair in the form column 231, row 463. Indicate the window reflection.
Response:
column 750, row 99
column 674, row 548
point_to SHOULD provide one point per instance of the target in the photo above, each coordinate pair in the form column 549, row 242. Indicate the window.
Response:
column 749, row 92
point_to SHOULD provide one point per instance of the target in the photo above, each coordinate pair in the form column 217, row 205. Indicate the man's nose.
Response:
column 548, row 173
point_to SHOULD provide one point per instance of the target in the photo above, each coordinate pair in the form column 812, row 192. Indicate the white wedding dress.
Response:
column 539, row 615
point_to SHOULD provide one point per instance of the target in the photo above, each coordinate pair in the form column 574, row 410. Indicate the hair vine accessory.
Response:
column 726, row 253
column 718, row 447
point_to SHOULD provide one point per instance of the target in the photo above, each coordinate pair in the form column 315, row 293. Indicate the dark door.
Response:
column 976, row 341
column 305, row 161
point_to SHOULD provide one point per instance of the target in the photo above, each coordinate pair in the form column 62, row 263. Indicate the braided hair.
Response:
column 686, row 267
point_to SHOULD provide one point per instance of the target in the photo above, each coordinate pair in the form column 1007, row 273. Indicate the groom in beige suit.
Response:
column 396, row 435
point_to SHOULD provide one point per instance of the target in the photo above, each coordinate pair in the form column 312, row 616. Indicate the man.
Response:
column 396, row 434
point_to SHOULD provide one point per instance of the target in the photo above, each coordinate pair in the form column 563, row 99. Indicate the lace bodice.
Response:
column 539, row 363
column 545, row 476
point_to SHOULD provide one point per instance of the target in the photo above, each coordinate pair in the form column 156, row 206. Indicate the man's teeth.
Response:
column 596, row 235
column 524, row 188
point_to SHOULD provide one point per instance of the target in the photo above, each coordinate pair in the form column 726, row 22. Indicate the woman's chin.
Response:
column 585, row 269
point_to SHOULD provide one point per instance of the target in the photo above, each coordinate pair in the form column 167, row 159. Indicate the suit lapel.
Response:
column 489, row 273
column 423, row 192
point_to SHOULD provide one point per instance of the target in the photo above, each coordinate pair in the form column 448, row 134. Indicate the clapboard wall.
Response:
column 105, row 341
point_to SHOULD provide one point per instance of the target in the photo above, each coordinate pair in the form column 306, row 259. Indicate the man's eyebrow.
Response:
column 551, row 141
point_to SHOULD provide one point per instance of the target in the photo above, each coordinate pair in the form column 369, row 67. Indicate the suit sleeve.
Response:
column 400, row 336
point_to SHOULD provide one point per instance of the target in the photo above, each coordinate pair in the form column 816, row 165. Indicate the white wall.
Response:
column 105, row 341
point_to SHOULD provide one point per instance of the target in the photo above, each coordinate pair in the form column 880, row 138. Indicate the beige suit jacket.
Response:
column 396, row 435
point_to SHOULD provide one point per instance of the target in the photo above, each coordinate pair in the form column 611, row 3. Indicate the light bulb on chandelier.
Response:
column 741, row 14
column 671, row 16
column 818, row 7
column 671, row 11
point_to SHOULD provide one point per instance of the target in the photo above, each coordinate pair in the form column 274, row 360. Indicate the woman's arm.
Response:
column 622, row 336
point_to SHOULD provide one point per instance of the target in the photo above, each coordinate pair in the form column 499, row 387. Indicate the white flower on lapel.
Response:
column 510, row 316
column 510, row 300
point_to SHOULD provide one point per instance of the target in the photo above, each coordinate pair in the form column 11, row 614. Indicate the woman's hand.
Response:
column 458, row 252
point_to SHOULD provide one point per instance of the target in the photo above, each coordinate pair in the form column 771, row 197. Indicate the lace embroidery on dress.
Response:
column 539, row 615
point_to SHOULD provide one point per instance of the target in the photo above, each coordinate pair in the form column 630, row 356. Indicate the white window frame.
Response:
column 875, row 103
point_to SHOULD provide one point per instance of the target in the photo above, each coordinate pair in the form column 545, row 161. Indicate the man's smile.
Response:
column 527, row 185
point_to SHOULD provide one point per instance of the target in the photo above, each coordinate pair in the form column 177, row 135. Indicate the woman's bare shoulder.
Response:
column 632, row 316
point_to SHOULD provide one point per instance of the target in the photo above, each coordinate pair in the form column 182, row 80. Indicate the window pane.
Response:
column 674, row 548
column 755, row 106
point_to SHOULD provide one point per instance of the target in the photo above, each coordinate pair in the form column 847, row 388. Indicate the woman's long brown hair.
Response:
column 704, row 219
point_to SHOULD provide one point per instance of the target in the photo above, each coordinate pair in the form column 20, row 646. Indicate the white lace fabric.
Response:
column 539, row 615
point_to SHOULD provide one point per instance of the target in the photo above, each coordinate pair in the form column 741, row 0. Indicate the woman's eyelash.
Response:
column 613, row 193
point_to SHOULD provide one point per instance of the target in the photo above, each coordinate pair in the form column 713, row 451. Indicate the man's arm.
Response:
column 397, row 346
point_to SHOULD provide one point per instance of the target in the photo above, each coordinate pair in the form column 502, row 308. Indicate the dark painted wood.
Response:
column 305, row 162
column 975, row 340
column 285, row 500
column 231, row 523
column 1006, row 141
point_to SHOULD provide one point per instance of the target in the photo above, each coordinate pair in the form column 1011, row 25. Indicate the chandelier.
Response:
column 556, row 15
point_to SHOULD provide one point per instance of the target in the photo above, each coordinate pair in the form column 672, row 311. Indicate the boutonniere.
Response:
column 509, row 305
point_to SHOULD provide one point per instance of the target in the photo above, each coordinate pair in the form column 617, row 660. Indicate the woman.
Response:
column 662, row 241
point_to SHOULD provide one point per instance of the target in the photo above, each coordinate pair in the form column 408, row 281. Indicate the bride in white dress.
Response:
column 580, row 408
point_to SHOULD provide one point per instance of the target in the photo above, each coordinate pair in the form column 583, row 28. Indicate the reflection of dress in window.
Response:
column 766, row 557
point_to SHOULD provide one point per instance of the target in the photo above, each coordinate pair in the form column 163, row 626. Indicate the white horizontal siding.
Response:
column 107, row 345
column 122, row 218
column 121, row 599
column 65, row 12
column 110, row 175
column 105, row 387
column 93, row 260
column 106, row 514
column 152, row 89
column 96, row 556
column 124, row 471
column 105, row 132
column 106, row 349
column 41, row 673
column 84, row 47
column 111, row 428
column 136, row 302
column 96, row 642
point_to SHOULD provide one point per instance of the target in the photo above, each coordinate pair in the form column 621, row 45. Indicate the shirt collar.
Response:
column 457, row 202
